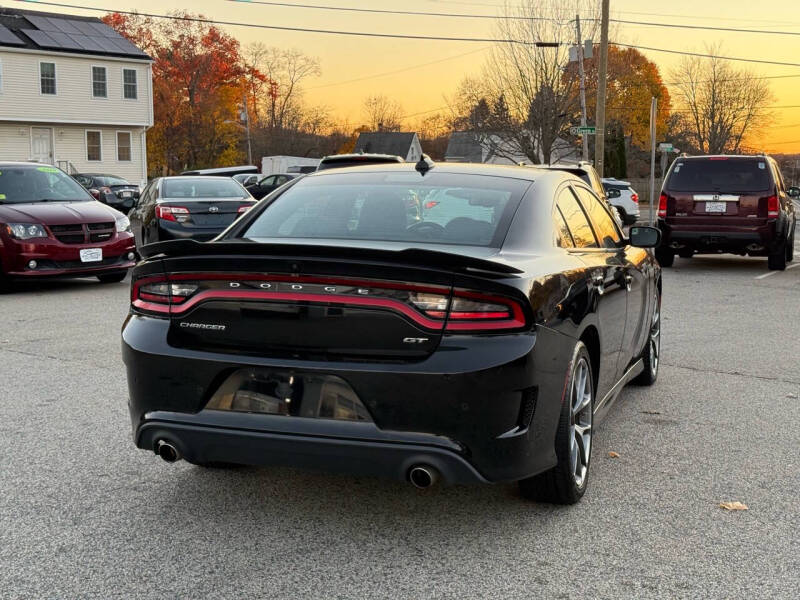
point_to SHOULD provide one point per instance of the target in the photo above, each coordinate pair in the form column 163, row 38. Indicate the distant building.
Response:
column 471, row 146
column 73, row 93
column 405, row 145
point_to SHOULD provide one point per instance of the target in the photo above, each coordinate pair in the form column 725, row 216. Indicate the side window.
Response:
column 563, row 236
column 603, row 223
column 778, row 178
column 576, row 220
column 268, row 180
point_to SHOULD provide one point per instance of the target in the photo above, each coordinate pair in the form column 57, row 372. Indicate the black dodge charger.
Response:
column 464, row 323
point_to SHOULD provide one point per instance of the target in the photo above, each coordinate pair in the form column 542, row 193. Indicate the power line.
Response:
column 685, row 53
column 299, row 29
column 394, row 12
column 403, row 70
column 702, row 27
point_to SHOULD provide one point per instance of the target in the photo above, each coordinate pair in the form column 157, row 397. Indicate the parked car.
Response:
column 269, row 184
column 627, row 204
column 109, row 189
column 185, row 207
column 586, row 171
column 50, row 226
column 224, row 171
column 247, row 178
column 727, row 204
column 329, row 328
column 335, row 161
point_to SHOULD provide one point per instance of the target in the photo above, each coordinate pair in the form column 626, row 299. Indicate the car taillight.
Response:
column 430, row 204
column 95, row 193
column 105, row 190
column 662, row 205
column 179, row 214
column 244, row 208
column 635, row 198
column 429, row 306
column 773, row 207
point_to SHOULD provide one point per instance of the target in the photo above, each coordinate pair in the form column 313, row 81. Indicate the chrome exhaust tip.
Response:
column 167, row 451
column 423, row 476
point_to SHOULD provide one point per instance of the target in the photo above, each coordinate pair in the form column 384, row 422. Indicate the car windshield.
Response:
column 110, row 180
column 439, row 208
column 728, row 175
column 39, row 183
column 195, row 187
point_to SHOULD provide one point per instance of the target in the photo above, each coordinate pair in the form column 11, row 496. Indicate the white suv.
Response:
column 627, row 204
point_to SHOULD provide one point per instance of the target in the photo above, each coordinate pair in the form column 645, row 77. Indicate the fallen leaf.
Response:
column 733, row 505
column 650, row 412
column 613, row 454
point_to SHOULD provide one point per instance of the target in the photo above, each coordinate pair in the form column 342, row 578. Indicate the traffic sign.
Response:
column 582, row 130
column 665, row 147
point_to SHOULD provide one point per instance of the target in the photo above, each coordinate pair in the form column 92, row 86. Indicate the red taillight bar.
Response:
column 773, row 207
column 662, row 205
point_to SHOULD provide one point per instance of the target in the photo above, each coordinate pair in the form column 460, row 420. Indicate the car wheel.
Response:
column 665, row 257
column 686, row 253
column 6, row 285
column 566, row 482
column 112, row 277
column 790, row 249
column 776, row 261
column 651, row 355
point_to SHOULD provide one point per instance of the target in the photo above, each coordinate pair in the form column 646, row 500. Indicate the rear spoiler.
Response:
column 414, row 256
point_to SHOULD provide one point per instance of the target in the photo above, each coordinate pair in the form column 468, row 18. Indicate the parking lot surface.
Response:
column 85, row 514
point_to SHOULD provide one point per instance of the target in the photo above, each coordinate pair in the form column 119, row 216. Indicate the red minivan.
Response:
column 50, row 226
column 727, row 204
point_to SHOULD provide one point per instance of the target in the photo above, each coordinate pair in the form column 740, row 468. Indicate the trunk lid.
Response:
column 319, row 303
column 211, row 213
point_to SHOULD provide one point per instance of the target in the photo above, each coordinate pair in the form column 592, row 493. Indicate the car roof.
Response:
column 198, row 177
column 510, row 171
column 24, row 163
column 376, row 155
column 723, row 156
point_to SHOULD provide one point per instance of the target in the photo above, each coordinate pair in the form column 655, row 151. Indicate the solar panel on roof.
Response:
column 91, row 43
column 120, row 48
column 8, row 37
column 107, row 45
column 84, row 27
column 127, row 47
column 42, row 23
column 41, row 38
column 65, row 26
column 65, row 41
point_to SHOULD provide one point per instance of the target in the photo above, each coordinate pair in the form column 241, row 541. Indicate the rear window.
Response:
column 727, row 175
column 110, row 180
column 615, row 186
column 192, row 187
column 38, row 183
column 439, row 208
column 353, row 162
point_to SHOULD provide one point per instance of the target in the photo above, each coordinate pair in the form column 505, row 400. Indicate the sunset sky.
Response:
column 421, row 87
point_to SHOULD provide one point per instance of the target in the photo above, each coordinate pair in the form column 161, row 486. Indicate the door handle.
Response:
column 598, row 282
column 628, row 281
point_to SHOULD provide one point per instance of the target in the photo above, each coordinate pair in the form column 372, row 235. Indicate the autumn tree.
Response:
column 632, row 81
column 197, row 90
column 723, row 105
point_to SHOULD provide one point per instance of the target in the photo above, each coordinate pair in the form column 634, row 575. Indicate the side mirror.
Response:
column 612, row 193
column 645, row 237
column 794, row 192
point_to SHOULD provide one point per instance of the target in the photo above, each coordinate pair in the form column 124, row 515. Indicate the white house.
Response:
column 73, row 93
column 403, row 144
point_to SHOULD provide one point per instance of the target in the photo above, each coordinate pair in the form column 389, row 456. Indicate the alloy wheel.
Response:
column 581, row 420
column 655, row 336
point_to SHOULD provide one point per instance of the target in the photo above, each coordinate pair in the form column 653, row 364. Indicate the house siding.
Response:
column 69, row 144
column 21, row 99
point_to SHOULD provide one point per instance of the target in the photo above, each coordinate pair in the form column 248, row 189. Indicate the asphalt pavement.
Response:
column 84, row 514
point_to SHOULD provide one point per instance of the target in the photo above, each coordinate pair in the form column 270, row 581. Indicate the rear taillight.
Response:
column 773, row 207
column 244, row 208
column 431, row 307
column 95, row 193
column 105, row 190
column 430, row 204
column 635, row 198
column 179, row 214
column 662, row 205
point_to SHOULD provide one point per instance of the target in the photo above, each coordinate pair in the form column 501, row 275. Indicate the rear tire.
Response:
column 112, row 277
column 6, row 285
column 686, row 253
column 665, row 257
column 566, row 482
column 776, row 261
column 651, row 355
column 790, row 249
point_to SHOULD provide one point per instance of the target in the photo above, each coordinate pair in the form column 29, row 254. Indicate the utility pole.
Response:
column 653, row 114
column 246, row 119
column 583, row 85
column 600, row 118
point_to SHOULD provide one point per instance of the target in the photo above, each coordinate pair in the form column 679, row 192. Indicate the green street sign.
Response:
column 582, row 130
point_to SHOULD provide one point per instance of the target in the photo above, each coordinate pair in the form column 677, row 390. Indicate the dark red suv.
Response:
column 51, row 226
column 727, row 204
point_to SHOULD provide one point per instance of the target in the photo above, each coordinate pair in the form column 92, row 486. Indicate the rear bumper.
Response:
column 175, row 231
column 458, row 410
column 734, row 238
column 350, row 451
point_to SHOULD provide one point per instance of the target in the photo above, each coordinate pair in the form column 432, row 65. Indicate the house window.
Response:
column 124, row 146
column 47, row 78
column 99, row 82
column 94, row 146
column 129, row 91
